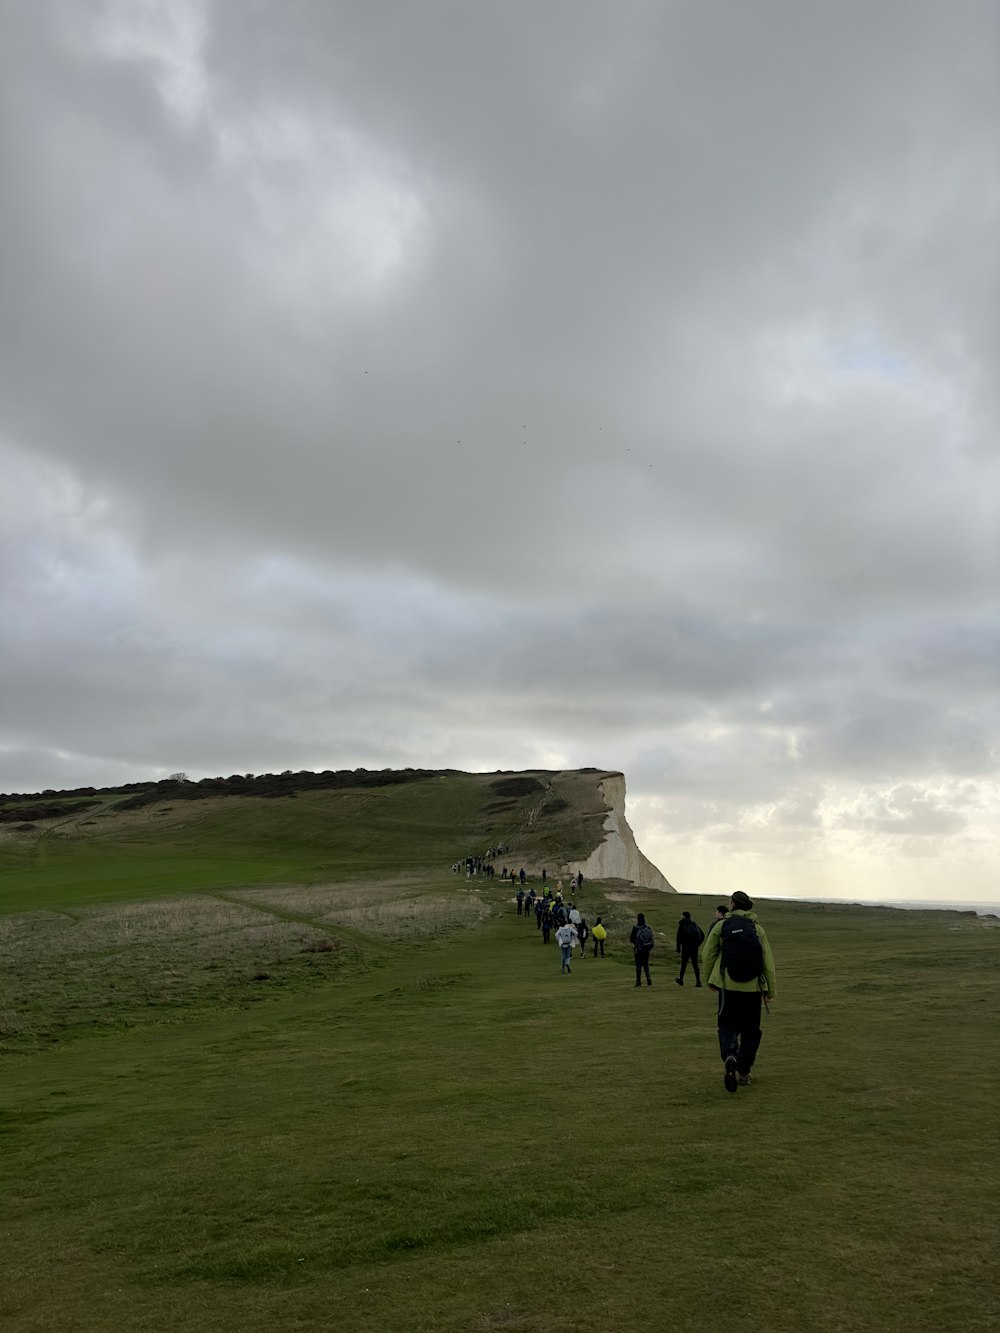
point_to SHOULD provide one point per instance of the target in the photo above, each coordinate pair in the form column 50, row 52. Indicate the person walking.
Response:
column 583, row 931
column 599, row 934
column 721, row 912
column 566, row 938
column 547, row 924
column 689, row 938
column 739, row 966
column 520, row 902
column 642, row 940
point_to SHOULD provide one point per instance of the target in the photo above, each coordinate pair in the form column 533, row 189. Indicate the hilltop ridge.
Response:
column 312, row 827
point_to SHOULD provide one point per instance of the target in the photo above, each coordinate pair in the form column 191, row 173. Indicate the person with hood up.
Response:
column 739, row 966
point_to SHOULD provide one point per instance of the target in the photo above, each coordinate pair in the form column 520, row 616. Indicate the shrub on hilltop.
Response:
column 275, row 784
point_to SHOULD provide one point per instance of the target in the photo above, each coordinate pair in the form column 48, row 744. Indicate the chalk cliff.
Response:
column 618, row 856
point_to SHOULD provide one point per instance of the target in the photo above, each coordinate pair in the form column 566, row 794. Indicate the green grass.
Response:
column 428, row 1128
column 313, row 837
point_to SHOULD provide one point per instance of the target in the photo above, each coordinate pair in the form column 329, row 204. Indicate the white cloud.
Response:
column 167, row 35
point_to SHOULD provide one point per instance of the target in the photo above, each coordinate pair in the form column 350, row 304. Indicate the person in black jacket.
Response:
column 548, row 922
column 641, row 940
column 689, row 938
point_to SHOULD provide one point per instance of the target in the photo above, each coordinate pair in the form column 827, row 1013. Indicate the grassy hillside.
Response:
column 179, row 845
column 366, row 1099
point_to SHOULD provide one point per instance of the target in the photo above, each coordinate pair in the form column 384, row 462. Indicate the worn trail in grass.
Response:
column 452, row 1136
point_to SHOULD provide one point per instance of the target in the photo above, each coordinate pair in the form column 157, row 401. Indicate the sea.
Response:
column 915, row 905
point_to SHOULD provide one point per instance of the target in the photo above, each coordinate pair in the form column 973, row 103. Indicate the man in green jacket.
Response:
column 738, row 945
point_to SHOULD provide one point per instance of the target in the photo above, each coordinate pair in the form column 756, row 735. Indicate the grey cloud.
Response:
column 511, row 382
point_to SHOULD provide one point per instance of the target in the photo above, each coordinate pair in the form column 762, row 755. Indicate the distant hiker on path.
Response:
column 583, row 930
column 689, row 938
column 642, row 941
column 739, row 965
column 566, row 938
column 600, row 935
column 520, row 902
column 547, row 924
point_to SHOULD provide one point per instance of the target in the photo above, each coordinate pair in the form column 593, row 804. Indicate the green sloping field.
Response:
column 331, row 1085
column 186, row 846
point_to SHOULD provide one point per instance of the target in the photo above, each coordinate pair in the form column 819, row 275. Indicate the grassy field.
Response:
column 373, row 1103
column 104, row 854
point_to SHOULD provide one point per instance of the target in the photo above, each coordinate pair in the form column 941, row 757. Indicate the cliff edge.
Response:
column 618, row 856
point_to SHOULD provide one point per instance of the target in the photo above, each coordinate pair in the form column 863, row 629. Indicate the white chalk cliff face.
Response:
column 618, row 856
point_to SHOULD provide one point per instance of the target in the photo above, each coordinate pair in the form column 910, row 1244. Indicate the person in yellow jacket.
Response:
column 739, row 965
column 600, row 935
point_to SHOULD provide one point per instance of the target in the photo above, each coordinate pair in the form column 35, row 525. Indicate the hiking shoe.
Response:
column 746, row 1080
column 697, row 985
column 678, row 982
column 730, row 1078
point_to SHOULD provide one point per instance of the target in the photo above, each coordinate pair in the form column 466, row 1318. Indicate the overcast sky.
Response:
column 499, row 385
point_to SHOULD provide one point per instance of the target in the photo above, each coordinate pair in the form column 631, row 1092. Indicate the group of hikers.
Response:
column 734, row 956
column 474, row 865
column 553, row 914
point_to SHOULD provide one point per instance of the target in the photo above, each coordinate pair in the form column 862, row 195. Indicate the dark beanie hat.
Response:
column 641, row 919
column 741, row 902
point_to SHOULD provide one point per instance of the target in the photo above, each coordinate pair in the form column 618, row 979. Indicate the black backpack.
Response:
column 644, row 937
column 692, row 932
column 742, row 952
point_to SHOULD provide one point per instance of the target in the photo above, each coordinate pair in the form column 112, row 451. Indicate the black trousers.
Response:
column 641, row 965
column 739, row 1026
column 598, row 944
column 690, row 956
